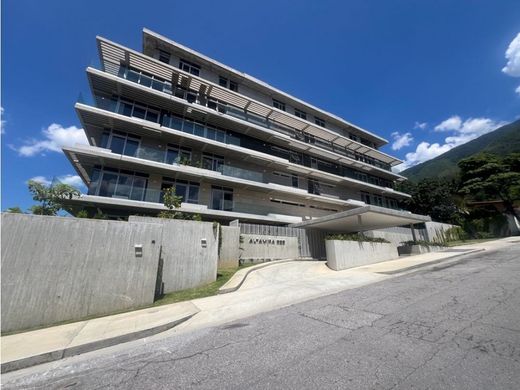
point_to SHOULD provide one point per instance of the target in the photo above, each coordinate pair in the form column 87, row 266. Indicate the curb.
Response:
column 433, row 262
column 89, row 347
column 247, row 271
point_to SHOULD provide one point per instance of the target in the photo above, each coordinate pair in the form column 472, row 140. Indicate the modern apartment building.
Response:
column 232, row 146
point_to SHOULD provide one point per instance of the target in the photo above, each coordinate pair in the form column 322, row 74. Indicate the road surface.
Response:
column 451, row 326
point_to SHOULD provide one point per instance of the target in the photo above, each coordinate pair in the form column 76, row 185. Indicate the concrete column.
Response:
column 413, row 232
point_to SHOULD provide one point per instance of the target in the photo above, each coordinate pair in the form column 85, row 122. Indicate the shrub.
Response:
column 423, row 243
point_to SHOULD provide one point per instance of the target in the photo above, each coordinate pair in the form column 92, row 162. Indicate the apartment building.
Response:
column 233, row 146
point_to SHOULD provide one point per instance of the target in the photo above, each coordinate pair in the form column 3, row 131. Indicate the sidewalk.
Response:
column 263, row 290
column 44, row 345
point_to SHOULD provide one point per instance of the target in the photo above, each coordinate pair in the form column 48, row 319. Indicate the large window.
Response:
column 212, row 162
column 136, row 110
column 221, row 198
column 117, row 183
column 176, row 154
column 187, row 190
column 189, row 67
column 121, row 143
column 314, row 187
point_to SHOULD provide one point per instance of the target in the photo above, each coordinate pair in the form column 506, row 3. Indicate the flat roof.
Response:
column 362, row 219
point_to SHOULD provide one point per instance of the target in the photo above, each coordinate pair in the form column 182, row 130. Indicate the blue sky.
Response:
column 426, row 75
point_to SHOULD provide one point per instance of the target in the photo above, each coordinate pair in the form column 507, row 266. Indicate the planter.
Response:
column 418, row 249
column 343, row 254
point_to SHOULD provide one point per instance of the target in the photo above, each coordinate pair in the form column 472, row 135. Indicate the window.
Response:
column 189, row 67
column 176, row 154
column 121, row 143
column 365, row 197
column 221, row 198
column 212, row 162
column 361, row 176
column 187, row 190
column 164, row 56
column 319, row 121
column 278, row 104
column 300, row 114
column 314, row 187
column 116, row 183
column 294, row 181
column 226, row 83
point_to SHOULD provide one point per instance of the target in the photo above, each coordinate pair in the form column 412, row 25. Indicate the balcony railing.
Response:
column 194, row 97
column 190, row 127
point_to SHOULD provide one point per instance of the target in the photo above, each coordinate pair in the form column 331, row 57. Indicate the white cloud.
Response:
column 462, row 132
column 512, row 67
column 41, row 180
column 72, row 180
column 517, row 90
column 420, row 125
column 401, row 140
column 452, row 123
column 54, row 137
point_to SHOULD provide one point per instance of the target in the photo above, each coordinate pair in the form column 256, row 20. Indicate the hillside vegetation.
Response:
column 502, row 141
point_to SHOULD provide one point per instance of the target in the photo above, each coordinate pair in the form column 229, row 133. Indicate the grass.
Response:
column 469, row 242
column 223, row 275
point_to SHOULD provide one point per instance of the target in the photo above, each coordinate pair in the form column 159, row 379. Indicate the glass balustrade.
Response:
column 161, row 85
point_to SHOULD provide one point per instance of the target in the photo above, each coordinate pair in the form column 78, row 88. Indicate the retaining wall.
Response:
column 343, row 254
column 260, row 248
column 56, row 269
column 229, row 252
column 189, row 252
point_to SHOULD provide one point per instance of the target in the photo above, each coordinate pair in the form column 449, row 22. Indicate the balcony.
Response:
column 136, row 110
column 192, row 96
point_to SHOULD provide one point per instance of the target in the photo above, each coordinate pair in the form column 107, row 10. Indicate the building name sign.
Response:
column 266, row 241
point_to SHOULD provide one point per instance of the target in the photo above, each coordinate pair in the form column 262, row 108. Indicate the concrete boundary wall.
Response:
column 257, row 248
column 229, row 252
column 56, row 269
column 343, row 254
column 189, row 253
column 311, row 243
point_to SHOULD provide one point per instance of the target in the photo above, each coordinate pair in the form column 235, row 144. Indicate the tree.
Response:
column 172, row 202
column 14, row 210
column 490, row 177
column 50, row 197
column 432, row 197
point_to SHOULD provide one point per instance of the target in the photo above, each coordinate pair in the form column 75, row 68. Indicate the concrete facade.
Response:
column 261, row 248
column 189, row 252
column 180, row 117
column 56, row 269
column 343, row 254
column 229, row 252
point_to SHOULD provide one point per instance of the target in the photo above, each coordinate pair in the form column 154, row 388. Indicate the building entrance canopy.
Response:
column 362, row 219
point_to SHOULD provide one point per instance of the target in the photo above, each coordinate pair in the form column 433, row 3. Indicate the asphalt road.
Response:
column 453, row 326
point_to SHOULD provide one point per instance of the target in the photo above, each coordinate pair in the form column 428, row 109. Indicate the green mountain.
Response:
column 504, row 140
